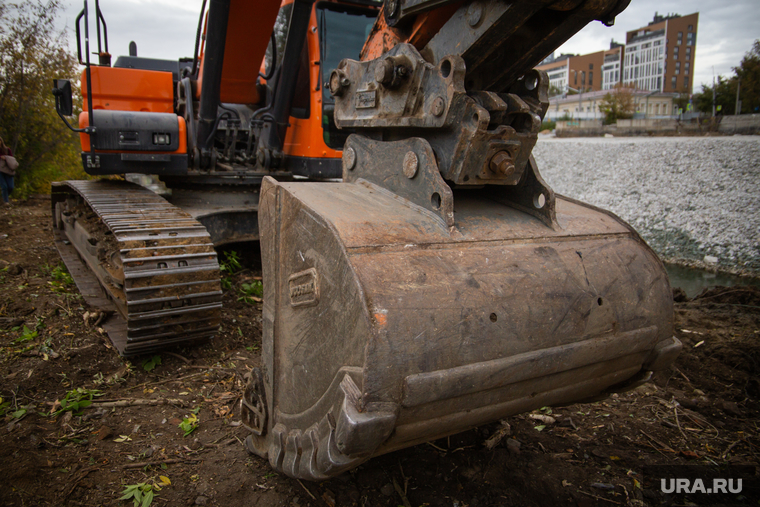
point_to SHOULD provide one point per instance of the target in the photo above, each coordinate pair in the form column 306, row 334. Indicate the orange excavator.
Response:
column 420, row 277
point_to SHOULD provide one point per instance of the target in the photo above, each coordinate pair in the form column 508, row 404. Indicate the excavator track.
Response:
column 145, row 262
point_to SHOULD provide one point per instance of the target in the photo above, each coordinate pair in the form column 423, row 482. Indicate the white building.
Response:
column 645, row 61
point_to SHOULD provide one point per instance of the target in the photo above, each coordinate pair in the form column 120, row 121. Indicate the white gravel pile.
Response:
column 693, row 199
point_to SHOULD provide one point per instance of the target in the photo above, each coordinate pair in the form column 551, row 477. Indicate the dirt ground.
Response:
column 704, row 410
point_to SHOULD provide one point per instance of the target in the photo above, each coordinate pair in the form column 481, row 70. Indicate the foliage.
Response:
column 555, row 90
column 76, row 400
column 4, row 406
column 231, row 263
column 190, row 423
column 32, row 54
column 62, row 280
column 725, row 88
column 617, row 104
column 27, row 335
column 150, row 364
column 229, row 266
column 548, row 125
column 142, row 493
column 251, row 292
column 725, row 97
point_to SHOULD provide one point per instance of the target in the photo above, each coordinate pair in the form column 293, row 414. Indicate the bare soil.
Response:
column 704, row 409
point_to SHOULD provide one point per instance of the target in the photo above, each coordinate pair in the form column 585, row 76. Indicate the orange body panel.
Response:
column 84, row 139
column 305, row 137
column 248, row 32
column 129, row 90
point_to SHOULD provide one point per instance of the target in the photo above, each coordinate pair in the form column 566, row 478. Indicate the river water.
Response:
column 693, row 281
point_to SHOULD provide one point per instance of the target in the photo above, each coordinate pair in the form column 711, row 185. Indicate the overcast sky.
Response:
column 166, row 29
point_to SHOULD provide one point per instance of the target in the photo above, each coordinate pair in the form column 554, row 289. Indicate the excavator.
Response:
column 420, row 277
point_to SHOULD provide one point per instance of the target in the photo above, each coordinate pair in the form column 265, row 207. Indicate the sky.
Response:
column 166, row 29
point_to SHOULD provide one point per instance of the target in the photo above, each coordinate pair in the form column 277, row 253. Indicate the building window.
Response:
column 590, row 66
column 590, row 78
column 673, row 82
column 691, row 28
column 664, row 109
column 690, row 39
column 686, row 68
column 680, row 38
column 686, row 82
column 688, row 53
column 678, row 68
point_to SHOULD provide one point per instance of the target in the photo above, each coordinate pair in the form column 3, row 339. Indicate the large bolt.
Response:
column 439, row 105
column 501, row 163
column 349, row 159
column 384, row 71
column 338, row 82
column 411, row 164
column 474, row 13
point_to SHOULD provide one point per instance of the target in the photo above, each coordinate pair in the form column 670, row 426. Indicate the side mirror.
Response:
column 63, row 100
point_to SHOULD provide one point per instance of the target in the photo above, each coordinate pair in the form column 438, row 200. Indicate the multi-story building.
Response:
column 577, row 73
column 612, row 68
column 657, row 57
column 661, row 55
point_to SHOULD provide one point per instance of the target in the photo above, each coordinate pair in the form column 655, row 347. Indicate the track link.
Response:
column 155, row 263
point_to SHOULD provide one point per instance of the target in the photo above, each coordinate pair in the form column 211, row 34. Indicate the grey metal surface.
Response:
column 414, row 330
column 159, row 270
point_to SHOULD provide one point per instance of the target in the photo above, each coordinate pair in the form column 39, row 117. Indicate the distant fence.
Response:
column 742, row 124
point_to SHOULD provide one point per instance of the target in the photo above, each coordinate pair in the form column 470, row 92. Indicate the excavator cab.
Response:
column 420, row 276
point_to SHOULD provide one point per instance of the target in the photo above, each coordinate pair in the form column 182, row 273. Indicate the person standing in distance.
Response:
column 6, row 173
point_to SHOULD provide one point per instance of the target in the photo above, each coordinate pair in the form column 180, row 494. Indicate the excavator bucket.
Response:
column 385, row 327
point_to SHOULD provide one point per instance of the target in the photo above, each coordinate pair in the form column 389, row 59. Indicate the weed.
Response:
column 229, row 266
column 231, row 263
column 76, row 400
column 189, row 423
column 62, row 280
column 141, row 494
column 27, row 335
column 4, row 406
column 150, row 364
column 251, row 292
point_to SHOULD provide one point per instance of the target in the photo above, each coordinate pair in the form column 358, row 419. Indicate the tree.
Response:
column 749, row 73
column 725, row 88
column 618, row 104
column 555, row 90
column 725, row 97
column 32, row 54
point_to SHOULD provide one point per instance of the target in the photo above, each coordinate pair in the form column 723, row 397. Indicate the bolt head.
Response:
column 501, row 163
column 411, row 164
column 384, row 71
column 439, row 105
column 349, row 159
column 338, row 82
column 474, row 13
